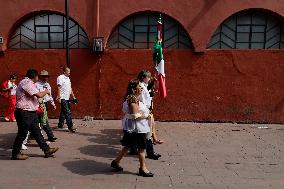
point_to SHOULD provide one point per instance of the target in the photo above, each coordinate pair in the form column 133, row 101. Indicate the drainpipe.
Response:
column 67, row 33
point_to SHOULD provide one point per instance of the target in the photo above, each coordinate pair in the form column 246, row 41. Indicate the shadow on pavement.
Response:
column 107, row 143
column 90, row 167
column 106, row 151
column 6, row 142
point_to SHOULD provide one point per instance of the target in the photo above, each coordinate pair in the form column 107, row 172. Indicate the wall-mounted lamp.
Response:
column 98, row 45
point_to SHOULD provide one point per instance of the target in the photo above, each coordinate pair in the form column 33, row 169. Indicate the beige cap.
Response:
column 44, row 73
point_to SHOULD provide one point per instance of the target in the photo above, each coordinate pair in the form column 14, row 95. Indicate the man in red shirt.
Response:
column 26, row 116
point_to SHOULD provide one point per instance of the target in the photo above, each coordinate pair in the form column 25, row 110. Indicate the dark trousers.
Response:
column 27, row 121
column 149, row 148
column 46, row 126
column 65, row 113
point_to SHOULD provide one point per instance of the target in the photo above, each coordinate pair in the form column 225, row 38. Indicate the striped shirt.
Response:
column 25, row 95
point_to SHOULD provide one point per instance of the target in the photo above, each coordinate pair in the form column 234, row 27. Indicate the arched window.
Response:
column 140, row 31
column 45, row 31
column 249, row 29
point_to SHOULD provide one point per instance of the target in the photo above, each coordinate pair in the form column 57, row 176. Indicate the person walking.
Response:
column 26, row 116
column 43, row 85
column 9, row 91
column 135, row 127
column 145, row 77
column 64, row 92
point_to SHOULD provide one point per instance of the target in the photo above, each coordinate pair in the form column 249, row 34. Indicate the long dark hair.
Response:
column 132, row 85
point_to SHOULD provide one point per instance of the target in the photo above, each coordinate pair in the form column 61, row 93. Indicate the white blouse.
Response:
column 139, row 125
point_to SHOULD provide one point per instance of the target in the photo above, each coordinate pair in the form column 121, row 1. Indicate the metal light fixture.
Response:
column 98, row 45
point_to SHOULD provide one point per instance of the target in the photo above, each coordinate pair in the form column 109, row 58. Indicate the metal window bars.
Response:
column 140, row 31
column 48, row 31
column 249, row 30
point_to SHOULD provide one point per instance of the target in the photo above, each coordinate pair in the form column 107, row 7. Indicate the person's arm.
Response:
column 50, row 97
column 133, row 108
column 41, row 94
column 33, row 91
column 59, row 83
column 72, row 94
column 58, row 98
column 5, row 89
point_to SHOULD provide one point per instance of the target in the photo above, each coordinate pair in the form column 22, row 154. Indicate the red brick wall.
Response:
column 203, row 85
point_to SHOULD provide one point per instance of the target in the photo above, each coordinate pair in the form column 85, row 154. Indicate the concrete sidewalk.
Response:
column 195, row 155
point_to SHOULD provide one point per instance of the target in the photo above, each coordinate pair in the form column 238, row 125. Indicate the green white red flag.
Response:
column 159, row 60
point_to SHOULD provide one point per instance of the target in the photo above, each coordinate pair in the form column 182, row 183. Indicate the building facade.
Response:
column 224, row 58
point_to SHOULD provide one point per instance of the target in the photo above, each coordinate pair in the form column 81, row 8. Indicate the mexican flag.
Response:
column 159, row 60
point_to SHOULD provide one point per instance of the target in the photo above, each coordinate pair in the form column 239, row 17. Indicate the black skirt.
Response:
column 134, row 139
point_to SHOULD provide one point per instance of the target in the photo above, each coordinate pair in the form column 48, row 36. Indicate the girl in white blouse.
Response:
column 135, row 127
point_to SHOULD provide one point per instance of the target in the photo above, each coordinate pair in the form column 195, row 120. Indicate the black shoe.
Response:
column 144, row 174
column 157, row 154
column 53, row 139
column 115, row 165
column 72, row 130
column 153, row 156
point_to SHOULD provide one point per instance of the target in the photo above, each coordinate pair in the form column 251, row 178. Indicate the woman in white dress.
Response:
column 135, row 127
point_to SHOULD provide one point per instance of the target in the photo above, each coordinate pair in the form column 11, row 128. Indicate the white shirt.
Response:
column 42, row 86
column 13, row 87
column 145, row 95
column 139, row 125
column 64, row 84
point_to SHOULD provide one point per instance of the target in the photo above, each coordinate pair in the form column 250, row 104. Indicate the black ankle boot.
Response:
column 144, row 174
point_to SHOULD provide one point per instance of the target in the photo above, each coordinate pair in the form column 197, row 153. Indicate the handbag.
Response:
column 40, row 109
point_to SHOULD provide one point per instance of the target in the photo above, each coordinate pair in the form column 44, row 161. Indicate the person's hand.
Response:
column 75, row 101
column 58, row 99
column 54, row 106
column 47, row 92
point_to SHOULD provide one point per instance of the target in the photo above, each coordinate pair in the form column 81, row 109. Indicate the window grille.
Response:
column 249, row 30
column 48, row 31
column 140, row 31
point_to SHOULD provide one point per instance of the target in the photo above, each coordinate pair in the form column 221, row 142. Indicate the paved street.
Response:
column 194, row 156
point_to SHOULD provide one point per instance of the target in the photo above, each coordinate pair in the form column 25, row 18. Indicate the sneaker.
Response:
column 50, row 151
column 116, row 166
column 24, row 147
column 14, row 120
column 20, row 156
column 62, row 128
column 6, row 119
column 47, row 142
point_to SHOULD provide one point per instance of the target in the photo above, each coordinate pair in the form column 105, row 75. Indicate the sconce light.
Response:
column 98, row 45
